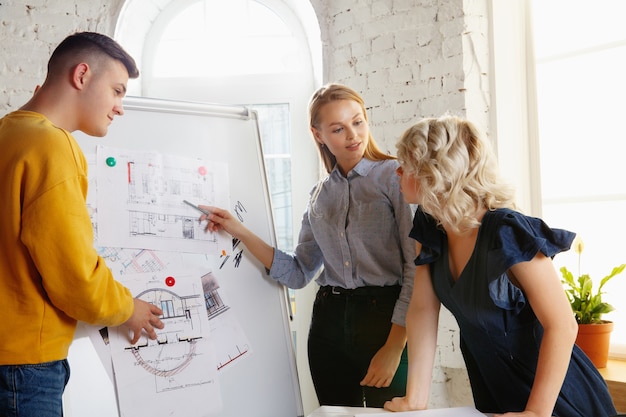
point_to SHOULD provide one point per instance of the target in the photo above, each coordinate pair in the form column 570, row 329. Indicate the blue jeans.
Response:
column 33, row 390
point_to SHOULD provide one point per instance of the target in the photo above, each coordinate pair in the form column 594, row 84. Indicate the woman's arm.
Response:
column 422, row 321
column 541, row 284
column 220, row 219
column 384, row 364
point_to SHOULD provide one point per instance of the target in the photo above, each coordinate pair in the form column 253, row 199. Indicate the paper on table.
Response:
column 342, row 411
column 441, row 412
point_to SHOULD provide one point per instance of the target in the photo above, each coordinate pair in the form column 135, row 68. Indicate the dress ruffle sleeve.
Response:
column 427, row 232
column 518, row 238
column 507, row 237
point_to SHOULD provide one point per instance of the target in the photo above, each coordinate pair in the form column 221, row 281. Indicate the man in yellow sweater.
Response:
column 50, row 274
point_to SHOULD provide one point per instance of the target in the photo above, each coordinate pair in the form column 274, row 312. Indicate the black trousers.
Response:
column 347, row 328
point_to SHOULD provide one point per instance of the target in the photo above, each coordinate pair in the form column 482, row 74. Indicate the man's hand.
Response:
column 146, row 317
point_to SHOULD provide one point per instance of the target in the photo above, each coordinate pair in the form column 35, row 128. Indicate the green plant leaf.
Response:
column 616, row 270
column 586, row 305
column 568, row 277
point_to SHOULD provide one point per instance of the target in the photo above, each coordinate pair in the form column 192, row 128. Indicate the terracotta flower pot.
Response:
column 594, row 340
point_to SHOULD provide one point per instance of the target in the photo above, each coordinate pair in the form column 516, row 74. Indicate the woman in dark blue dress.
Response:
column 491, row 266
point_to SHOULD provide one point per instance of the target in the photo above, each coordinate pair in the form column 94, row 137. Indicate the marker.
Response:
column 203, row 211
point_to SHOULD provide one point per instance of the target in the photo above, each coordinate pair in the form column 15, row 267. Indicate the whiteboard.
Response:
column 266, row 382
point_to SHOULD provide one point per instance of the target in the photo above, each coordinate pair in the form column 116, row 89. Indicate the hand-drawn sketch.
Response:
column 231, row 342
column 184, row 360
column 142, row 194
column 132, row 261
column 176, row 373
column 215, row 304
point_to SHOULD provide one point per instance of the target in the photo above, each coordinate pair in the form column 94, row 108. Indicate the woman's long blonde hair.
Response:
column 324, row 95
column 329, row 93
column 455, row 169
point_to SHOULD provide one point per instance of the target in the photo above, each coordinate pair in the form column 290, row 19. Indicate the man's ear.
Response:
column 79, row 75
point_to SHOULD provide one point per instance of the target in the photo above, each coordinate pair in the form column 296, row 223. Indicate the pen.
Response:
column 203, row 211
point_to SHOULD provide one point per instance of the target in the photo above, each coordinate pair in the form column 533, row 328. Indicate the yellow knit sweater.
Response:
column 50, row 274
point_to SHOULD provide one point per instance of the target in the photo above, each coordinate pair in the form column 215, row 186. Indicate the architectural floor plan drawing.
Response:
column 175, row 374
column 176, row 344
column 140, row 200
column 230, row 342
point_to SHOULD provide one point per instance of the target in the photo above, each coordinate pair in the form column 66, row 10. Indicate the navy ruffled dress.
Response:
column 500, row 334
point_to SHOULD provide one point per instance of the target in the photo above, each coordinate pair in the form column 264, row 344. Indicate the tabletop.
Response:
column 339, row 411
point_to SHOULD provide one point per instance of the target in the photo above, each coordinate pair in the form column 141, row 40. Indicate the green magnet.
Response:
column 110, row 161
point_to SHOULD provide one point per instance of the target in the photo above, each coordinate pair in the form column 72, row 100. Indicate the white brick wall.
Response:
column 408, row 58
column 30, row 30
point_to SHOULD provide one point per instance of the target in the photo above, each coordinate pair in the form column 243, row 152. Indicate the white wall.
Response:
column 30, row 31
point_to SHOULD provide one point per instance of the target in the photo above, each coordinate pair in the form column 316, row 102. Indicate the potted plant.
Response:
column 593, row 332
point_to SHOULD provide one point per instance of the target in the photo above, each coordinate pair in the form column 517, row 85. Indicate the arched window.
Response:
column 245, row 38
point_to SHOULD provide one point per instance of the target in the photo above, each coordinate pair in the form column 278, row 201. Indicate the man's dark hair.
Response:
column 92, row 43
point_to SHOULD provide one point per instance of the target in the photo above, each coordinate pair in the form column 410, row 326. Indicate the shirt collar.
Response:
column 362, row 168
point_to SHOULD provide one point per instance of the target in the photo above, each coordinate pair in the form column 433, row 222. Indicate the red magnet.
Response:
column 170, row 281
column 202, row 171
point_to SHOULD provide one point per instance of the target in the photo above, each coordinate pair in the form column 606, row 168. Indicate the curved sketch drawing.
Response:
column 179, row 366
column 175, row 347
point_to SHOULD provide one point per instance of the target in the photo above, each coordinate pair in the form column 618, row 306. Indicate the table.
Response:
column 337, row 411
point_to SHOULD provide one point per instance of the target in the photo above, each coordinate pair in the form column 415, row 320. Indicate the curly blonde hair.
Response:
column 455, row 169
